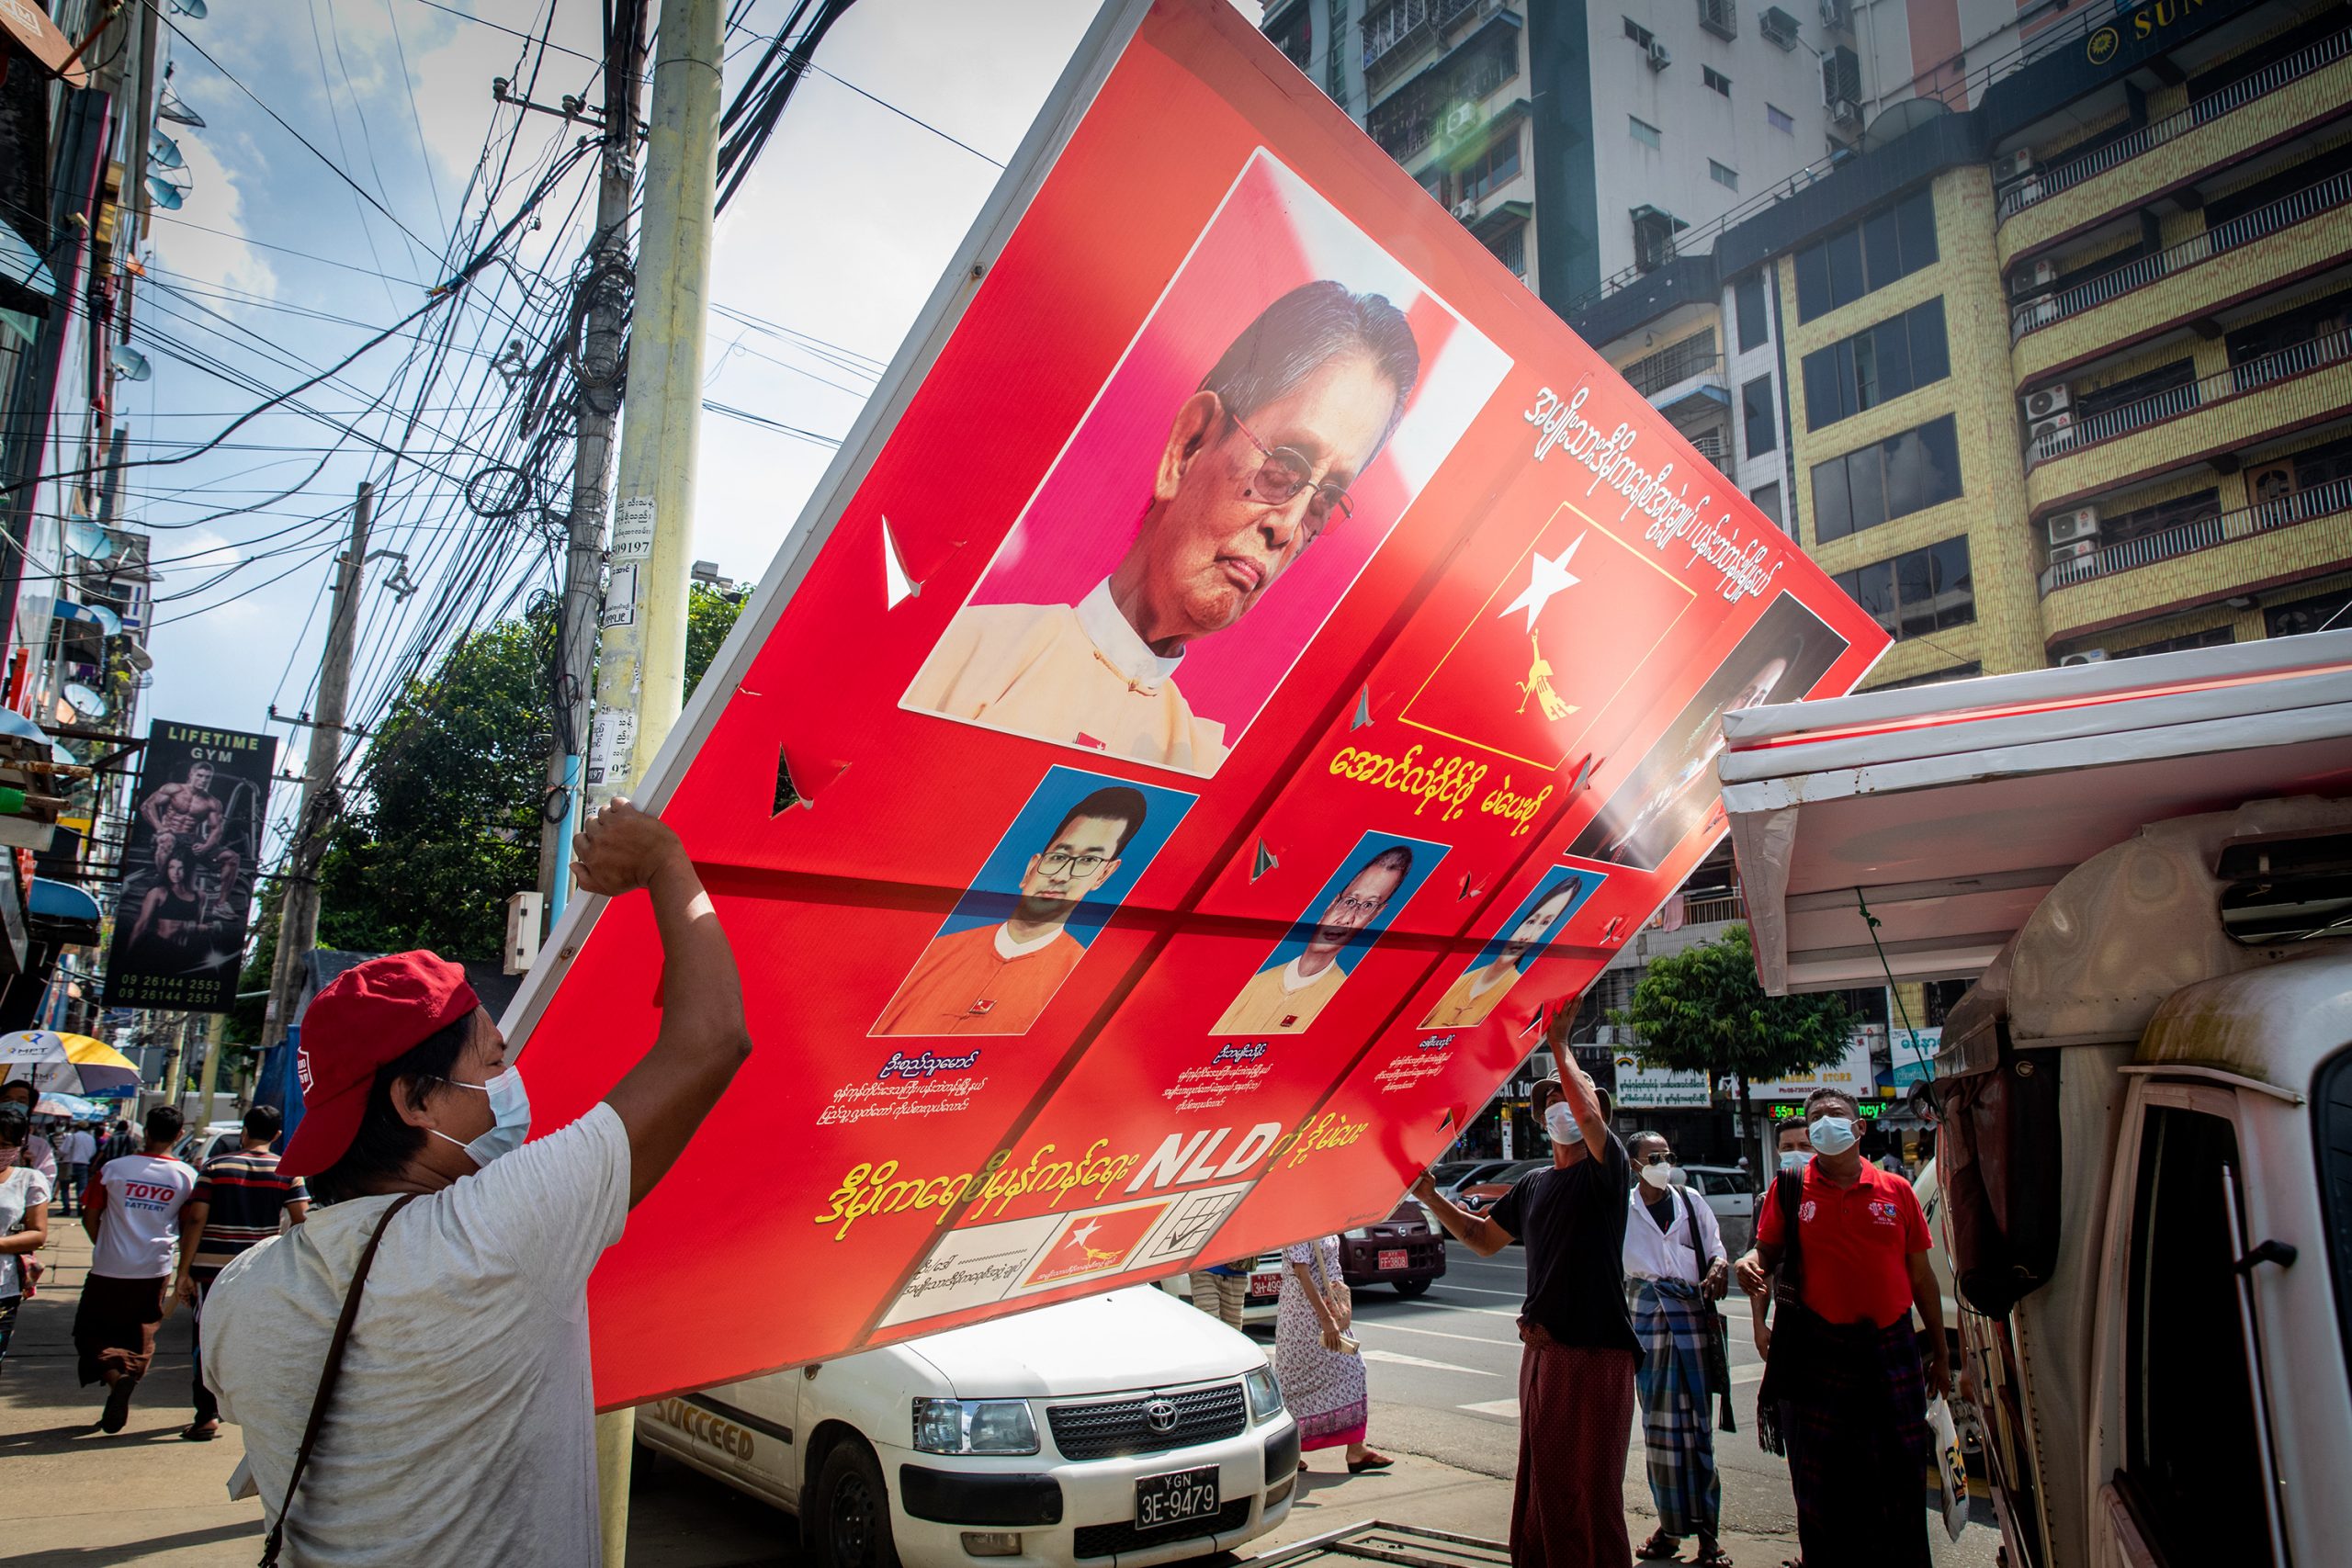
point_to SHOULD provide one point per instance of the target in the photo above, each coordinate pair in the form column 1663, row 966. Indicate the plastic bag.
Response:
column 1950, row 1466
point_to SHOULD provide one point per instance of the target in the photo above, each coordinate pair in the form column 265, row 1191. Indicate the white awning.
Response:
column 1949, row 810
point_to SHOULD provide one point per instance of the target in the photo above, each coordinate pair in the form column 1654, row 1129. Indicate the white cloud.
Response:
column 217, row 254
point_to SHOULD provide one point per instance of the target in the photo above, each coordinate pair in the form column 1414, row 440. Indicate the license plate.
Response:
column 1164, row 1500
column 1393, row 1259
column 1265, row 1284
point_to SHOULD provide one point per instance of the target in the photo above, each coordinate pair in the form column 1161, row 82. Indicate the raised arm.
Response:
column 1584, row 1104
column 1476, row 1232
column 703, row 1039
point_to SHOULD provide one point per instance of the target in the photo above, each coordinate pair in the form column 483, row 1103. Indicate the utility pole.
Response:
column 641, row 677
column 606, row 282
column 209, row 1082
column 297, row 912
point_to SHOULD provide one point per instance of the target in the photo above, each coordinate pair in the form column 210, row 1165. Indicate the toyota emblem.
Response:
column 1159, row 1415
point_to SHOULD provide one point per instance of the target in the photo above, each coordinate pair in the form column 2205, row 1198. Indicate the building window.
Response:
column 2172, row 377
column 1747, row 302
column 1715, row 80
column 1755, row 416
column 2197, row 506
column 1492, row 169
column 1968, row 672
column 1892, row 242
column 1295, row 36
column 1653, row 234
column 1644, row 131
column 1433, row 181
column 1768, row 500
column 2211, row 636
column 1936, row 998
column 1887, row 480
column 1723, row 175
column 1780, row 120
column 1510, row 249
column 1638, row 33
column 1918, row 591
column 2318, row 613
column 1876, row 365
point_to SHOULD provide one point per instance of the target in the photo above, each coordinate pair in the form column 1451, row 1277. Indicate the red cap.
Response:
column 369, row 1015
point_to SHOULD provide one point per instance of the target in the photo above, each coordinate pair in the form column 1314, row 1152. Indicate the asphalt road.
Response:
column 1444, row 1373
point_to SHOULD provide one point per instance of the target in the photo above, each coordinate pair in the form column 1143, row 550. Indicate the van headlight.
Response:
column 1265, row 1394
column 975, row 1426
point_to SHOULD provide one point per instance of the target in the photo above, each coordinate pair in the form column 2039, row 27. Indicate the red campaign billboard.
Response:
column 1251, row 667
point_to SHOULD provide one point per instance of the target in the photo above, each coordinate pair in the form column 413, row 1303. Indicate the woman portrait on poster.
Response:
column 171, row 917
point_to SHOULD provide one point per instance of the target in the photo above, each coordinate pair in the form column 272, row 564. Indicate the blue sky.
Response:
column 276, row 266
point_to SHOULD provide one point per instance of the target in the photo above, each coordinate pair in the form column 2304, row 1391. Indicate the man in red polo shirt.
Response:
column 1840, row 1259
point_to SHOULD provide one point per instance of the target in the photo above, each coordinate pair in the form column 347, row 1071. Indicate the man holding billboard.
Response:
column 1256, row 465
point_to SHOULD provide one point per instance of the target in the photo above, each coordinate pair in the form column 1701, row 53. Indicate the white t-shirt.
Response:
column 77, row 1148
column 463, row 1428
column 141, row 1218
column 21, row 1187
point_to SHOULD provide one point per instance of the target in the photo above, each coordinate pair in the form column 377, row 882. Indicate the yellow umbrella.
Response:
column 71, row 1064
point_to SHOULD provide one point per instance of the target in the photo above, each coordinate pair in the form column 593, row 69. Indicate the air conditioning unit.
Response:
column 2084, row 656
column 1778, row 26
column 2035, row 313
column 1460, row 119
column 2043, row 275
column 2075, row 551
column 2049, row 435
column 1466, row 211
column 1835, row 17
column 1661, row 58
column 2017, row 167
column 2078, row 527
column 2044, row 402
column 1845, row 113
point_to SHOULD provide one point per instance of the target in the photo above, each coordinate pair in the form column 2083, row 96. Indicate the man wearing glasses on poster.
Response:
column 1256, row 465
column 996, row 979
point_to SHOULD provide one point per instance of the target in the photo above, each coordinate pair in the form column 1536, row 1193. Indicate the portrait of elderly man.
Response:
column 1285, row 998
column 1255, row 466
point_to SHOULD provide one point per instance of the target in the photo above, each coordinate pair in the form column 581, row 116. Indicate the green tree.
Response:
column 449, row 824
column 1703, row 1010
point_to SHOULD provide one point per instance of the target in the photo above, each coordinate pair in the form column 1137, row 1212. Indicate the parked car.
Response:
column 201, row 1143
column 1265, row 1289
column 1478, row 1196
column 1405, row 1250
column 1126, row 1425
column 1467, row 1173
column 1725, row 1190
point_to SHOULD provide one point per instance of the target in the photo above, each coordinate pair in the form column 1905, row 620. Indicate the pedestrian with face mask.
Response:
column 1578, row 1356
column 1841, row 1261
column 1676, row 1263
column 433, row 1312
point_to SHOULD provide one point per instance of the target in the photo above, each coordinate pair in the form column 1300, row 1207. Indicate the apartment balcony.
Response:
column 2282, row 98
column 2255, row 253
column 1392, row 33
column 2214, row 415
column 2294, row 535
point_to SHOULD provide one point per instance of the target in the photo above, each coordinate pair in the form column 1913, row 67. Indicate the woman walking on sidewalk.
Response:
column 1322, row 1374
column 24, row 1218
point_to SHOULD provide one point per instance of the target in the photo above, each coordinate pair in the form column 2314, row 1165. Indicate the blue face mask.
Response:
column 510, row 1108
column 1793, row 1159
column 1833, row 1136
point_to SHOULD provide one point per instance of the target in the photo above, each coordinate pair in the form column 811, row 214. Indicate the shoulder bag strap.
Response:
column 1788, row 1190
column 328, row 1376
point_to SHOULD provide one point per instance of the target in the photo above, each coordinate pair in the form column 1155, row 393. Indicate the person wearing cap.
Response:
column 462, row 1428
column 1575, row 1370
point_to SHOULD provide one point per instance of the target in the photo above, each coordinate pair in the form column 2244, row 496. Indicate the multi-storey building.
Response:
column 77, row 133
column 1576, row 141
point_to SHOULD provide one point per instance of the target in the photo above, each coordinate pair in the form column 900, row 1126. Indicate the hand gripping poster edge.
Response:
column 1099, row 52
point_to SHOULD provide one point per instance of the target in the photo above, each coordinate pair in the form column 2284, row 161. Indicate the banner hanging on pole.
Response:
column 189, row 868
column 1291, row 665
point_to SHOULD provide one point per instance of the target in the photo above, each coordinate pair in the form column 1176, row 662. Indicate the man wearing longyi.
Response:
column 1257, row 464
column 996, row 979
column 434, row 1315
column 1285, row 999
